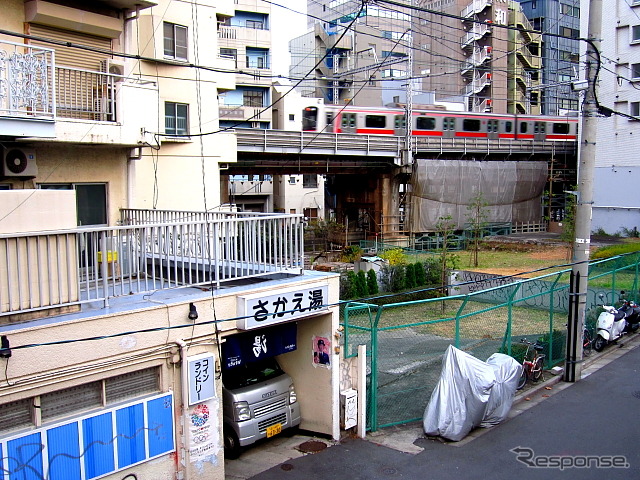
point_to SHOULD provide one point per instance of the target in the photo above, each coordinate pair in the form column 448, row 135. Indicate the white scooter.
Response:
column 610, row 326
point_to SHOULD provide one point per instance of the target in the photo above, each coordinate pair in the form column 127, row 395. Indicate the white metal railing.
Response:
column 26, row 81
column 475, row 7
column 86, row 94
column 478, row 83
column 45, row 270
column 476, row 33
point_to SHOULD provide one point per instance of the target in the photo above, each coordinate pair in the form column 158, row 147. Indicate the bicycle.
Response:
column 531, row 369
column 587, row 342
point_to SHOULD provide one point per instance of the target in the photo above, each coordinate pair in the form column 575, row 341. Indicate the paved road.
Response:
column 597, row 416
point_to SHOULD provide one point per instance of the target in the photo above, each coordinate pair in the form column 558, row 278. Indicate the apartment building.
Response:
column 121, row 276
column 560, row 52
column 458, row 55
column 616, row 207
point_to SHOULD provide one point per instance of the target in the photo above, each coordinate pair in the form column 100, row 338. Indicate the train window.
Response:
column 508, row 127
column 425, row 123
column 492, row 125
column 352, row 120
column 539, row 127
column 399, row 122
column 449, row 123
column 309, row 118
column 471, row 125
column 375, row 121
column 560, row 128
column 329, row 119
column 523, row 127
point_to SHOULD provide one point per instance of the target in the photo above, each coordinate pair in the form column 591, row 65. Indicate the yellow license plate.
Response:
column 274, row 430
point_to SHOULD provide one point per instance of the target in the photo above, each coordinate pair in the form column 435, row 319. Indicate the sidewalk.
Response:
column 283, row 456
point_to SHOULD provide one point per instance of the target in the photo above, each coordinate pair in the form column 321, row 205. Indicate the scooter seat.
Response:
column 619, row 316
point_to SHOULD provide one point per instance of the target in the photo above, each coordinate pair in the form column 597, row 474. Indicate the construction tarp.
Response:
column 512, row 191
column 470, row 393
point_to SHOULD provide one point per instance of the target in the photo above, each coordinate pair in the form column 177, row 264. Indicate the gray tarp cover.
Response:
column 511, row 190
column 470, row 393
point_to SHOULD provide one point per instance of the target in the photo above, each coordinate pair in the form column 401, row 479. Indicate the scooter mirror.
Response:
column 601, row 296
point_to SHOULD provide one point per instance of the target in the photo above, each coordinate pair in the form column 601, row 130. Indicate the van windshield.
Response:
column 251, row 373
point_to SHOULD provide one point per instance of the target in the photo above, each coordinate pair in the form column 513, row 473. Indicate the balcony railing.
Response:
column 26, row 81
column 153, row 250
column 86, row 94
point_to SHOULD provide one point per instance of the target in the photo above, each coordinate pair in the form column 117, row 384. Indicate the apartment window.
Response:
column 252, row 98
column 230, row 53
column 79, row 399
column 292, row 180
column 635, row 71
column 175, row 118
column 292, row 117
column 569, row 32
column 5, row 186
column 635, row 33
column 634, row 109
column 570, row 10
column 569, row 56
column 175, row 41
column 310, row 213
column 309, row 181
column 255, row 24
column 91, row 200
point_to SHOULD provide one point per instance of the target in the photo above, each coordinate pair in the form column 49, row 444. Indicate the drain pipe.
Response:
column 184, row 417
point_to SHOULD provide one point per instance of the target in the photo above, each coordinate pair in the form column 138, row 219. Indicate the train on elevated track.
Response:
column 431, row 121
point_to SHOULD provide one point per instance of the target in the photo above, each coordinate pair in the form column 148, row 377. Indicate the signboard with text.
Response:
column 277, row 306
column 201, row 371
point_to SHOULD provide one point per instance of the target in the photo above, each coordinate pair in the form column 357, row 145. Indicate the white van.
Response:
column 259, row 401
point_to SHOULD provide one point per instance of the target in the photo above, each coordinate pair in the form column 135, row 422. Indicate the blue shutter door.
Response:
column 24, row 460
column 97, row 435
column 130, row 432
column 160, row 425
column 63, row 452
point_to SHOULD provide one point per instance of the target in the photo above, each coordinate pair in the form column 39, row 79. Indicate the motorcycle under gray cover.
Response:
column 470, row 393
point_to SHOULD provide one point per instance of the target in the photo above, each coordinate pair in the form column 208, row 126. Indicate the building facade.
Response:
column 616, row 199
column 560, row 56
column 121, row 275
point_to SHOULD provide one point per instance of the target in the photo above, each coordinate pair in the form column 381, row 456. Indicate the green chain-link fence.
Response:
column 405, row 341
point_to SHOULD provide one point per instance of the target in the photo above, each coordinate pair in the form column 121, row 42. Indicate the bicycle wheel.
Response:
column 536, row 371
column 523, row 379
column 586, row 343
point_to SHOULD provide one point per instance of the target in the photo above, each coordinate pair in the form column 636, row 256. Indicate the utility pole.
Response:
column 584, row 200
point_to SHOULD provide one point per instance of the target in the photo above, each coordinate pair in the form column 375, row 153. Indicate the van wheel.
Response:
column 232, row 448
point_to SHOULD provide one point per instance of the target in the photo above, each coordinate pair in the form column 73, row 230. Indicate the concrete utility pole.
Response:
column 584, row 200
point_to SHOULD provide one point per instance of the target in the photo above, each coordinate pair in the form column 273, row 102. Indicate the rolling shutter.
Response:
column 70, row 56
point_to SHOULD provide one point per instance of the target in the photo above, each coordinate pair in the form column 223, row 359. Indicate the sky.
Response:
column 285, row 25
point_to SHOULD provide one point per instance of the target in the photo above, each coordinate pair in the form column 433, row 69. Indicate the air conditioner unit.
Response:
column 113, row 67
column 19, row 162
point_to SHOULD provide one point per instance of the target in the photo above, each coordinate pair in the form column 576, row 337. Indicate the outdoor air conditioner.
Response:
column 113, row 67
column 19, row 162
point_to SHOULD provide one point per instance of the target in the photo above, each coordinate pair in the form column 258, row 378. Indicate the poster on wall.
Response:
column 204, row 440
column 321, row 348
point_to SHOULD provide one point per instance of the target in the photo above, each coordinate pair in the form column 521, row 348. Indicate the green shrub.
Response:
column 360, row 289
column 613, row 250
column 372, row 282
column 421, row 275
column 410, row 276
column 351, row 253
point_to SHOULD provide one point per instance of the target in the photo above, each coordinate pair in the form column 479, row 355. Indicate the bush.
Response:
column 410, row 276
column 360, row 289
column 559, row 343
column 347, row 286
column 421, row 274
column 394, row 256
column 372, row 282
column 614, row 250
column 351, row 253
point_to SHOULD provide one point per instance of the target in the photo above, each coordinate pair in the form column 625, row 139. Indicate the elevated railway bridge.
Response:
column 374, row 173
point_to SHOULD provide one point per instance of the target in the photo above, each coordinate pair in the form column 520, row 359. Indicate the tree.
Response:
column 372, row 282
column 477, row 217
column 421, row 276
column 324, row 231
column 361, row 284
column 445, row 228
column 410, row 276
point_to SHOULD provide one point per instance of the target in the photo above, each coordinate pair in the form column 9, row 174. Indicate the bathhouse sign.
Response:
column 277, row 306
